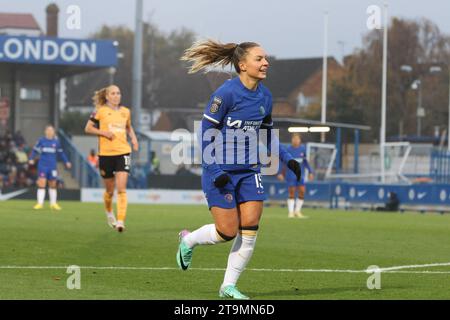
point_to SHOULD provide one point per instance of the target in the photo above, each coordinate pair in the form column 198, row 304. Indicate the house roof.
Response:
column 18, row 20
column 285, row 75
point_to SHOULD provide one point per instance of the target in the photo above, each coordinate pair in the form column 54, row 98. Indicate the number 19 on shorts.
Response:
column 258, row 181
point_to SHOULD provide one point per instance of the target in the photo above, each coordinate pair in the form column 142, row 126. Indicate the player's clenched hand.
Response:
column 31, row 162
column 68, row 165
column 295, row 167
column 221, row 180
column 108, row 135
column 280, row 177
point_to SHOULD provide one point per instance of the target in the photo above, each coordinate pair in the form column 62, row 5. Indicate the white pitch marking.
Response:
column 415, row 266
column 395, row 269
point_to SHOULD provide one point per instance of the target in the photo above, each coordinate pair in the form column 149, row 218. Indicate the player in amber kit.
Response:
column 111, row 122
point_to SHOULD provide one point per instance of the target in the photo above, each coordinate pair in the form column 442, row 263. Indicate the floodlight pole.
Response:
column 419, row 109
column 137, row 67
column 448, row 129
column 324, row 75
column 383, row 97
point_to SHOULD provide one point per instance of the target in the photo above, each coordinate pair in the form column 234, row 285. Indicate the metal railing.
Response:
column 440, row 165
column 141, row 163
column 82, row 171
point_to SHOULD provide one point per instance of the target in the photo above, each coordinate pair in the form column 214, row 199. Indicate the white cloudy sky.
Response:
column 286, row 28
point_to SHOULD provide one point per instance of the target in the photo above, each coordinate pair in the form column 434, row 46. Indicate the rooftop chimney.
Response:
column 52, row 20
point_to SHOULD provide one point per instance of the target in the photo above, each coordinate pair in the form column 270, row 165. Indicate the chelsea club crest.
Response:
column 262, row 110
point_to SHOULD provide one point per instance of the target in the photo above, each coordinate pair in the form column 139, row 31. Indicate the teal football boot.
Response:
column 232, row 292
column 184, row 254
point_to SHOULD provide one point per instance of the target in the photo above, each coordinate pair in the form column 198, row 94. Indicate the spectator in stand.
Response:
column 3, row 150
column 32, row 173
column 155, row 163
column 21, row 157
column 3, row 167
column 183, row 171
column 23, row 181
column 14, row 169
column 18, row 138
column 8, row 137
column 9, row 166
column 93, row 158
column 12, row 178
column 10, row 156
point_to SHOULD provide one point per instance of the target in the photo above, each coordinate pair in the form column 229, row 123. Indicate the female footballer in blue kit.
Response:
column 298, row 152
column 48, row 148
column 233, row 187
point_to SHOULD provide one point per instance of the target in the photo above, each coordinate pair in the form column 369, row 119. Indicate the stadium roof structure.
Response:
column 35, row 62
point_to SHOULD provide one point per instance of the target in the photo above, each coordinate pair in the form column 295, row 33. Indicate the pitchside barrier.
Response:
column 344, row 195
column 420, row 197
column 335, row 195
column 150, row 196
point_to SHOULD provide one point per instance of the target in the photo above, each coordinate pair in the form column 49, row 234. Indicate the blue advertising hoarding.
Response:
column 57, row 51
column 376, row 194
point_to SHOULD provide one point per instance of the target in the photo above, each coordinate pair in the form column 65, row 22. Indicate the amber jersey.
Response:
column 115, row 121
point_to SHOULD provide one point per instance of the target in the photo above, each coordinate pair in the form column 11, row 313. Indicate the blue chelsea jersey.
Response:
column 298, row 153
column 48, row 150
column 239, row 113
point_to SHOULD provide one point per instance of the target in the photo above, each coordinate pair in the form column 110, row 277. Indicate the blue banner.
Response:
column 376, row 194
column 59, row 51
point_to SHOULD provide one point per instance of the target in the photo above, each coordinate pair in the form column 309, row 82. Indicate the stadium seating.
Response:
column 14, row 168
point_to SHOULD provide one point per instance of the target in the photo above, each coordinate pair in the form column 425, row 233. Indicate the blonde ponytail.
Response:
column 99, row 97
column 211, row 53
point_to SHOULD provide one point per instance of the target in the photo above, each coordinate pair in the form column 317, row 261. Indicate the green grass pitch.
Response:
column 332, row 240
